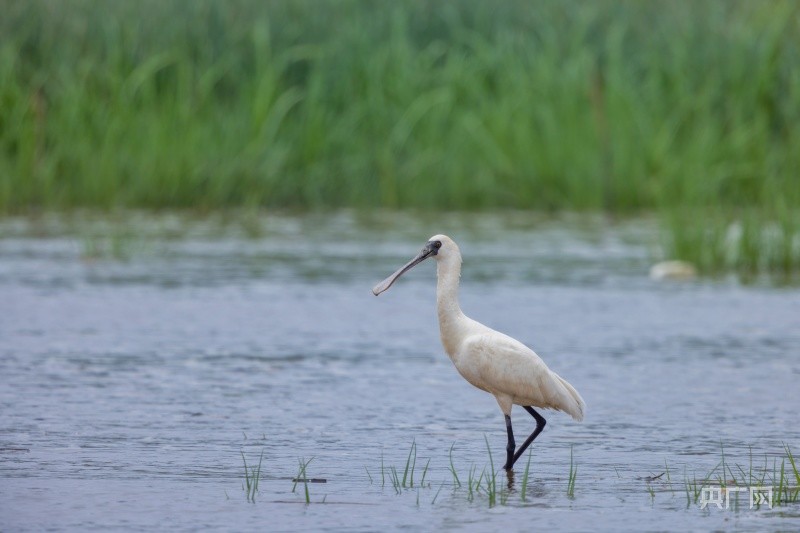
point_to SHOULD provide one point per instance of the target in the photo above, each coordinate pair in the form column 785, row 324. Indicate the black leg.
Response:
column 511, row 445
column 540, row 423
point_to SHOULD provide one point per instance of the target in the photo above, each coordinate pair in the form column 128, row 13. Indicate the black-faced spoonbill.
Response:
column 488, row 359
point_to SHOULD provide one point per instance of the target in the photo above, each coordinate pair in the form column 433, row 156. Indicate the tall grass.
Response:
column 683, row 107
column 753, row 240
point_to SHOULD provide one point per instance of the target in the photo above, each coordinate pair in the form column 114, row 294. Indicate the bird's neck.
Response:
column 448, row 271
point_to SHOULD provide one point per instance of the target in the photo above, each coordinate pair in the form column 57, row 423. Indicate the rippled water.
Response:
column 139, row 358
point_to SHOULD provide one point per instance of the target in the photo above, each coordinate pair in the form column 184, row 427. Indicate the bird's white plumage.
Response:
column 490, row 360
column 514, row 373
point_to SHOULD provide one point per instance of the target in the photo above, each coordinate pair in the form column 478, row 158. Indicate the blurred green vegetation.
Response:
column 687, row 108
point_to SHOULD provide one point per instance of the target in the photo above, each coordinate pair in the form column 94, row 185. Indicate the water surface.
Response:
column 141, row 357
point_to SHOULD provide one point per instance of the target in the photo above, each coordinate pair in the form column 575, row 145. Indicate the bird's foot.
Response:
column 510, row 479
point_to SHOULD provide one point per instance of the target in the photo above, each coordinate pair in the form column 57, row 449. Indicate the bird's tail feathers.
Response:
column 574, row 404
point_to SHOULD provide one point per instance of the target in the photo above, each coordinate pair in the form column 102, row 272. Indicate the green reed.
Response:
column 457, row 105
column 524, row 489
column 456, row 480
column 614, row 106
column 406, row 480
column 302, row 477
column 252, row 475
column 752, row 241
column 479, row 484
column 491, row 478
column 573, row 475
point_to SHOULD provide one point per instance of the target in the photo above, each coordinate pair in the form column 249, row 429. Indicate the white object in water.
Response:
column 488, row 359
column 677, row 270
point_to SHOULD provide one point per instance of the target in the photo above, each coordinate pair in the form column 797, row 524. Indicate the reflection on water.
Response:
column 140, row 357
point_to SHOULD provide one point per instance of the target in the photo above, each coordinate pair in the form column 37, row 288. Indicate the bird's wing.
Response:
column 502, row 365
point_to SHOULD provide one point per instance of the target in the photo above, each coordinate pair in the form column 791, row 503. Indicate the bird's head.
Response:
column 439, row 247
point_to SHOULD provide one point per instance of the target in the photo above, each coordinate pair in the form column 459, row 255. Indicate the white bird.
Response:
column 488, row 359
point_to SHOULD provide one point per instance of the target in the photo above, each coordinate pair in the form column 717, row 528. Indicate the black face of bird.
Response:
column 430, row 248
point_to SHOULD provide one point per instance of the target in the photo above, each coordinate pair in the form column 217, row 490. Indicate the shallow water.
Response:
column 140, row 358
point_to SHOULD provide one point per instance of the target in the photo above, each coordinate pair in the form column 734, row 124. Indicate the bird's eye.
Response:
column 437, row 244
